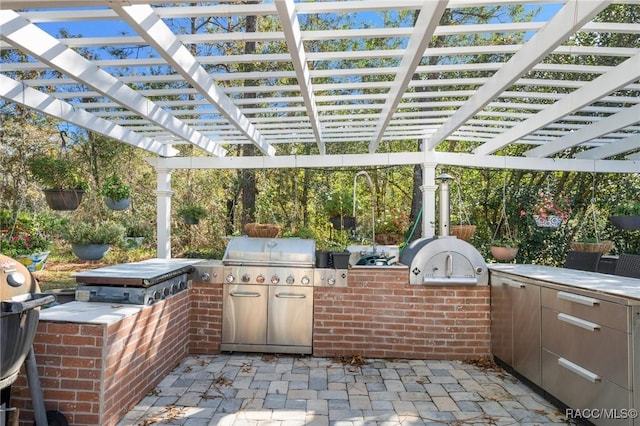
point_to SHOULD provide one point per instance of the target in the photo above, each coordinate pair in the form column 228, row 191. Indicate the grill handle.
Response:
column 450, row 281
column 10, row 307
column 244, row 294
column 290, row 296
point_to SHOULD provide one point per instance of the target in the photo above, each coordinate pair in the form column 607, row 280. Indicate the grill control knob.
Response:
column 290, row 280
column 260, row 279
column 174, row 288
column 331, row 280
column 205, row 277
column 275, row 279
column 230, row 278
column 166, row 292
column 305, row 280
column 246, row 278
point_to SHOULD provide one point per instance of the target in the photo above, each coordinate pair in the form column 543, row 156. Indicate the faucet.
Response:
column 373, row 205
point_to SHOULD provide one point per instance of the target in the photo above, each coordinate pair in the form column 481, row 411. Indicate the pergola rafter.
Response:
column 536, row 90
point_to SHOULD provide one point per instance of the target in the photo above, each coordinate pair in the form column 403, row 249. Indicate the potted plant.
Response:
column 30, row 248
column 391, row 227
column 192, row 213
column 64, row 181
column 339, row 208
column 549, row 210
column 91, row 241
column 626, row 215
column 505, row 248
column 136, row 231
column 117, row 195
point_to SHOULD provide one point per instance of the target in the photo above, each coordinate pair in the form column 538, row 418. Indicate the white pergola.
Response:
column 533, row 104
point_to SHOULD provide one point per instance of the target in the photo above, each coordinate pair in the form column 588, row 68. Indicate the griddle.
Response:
column 137, row 274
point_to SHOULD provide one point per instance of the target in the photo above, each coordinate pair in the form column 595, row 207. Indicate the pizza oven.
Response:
column 444, row 260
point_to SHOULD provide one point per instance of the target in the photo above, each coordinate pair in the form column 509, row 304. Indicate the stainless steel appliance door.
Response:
column 244, row 314
column 290, row 316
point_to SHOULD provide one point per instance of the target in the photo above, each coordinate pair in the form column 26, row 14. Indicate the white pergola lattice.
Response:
column 533, row 104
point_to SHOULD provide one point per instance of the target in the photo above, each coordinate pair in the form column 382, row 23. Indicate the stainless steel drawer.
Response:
column 598, row 348
column 578, row 387
column 605, row 313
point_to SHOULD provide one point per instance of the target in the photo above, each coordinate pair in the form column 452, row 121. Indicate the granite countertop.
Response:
column 89, row 312
column 614, row 285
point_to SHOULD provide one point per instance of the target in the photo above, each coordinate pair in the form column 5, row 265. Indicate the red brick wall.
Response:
column 380, row 315
column 94, row 374
column 205, row 327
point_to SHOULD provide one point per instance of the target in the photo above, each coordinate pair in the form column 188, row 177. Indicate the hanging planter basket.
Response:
column 343, row 223
column 628, row 223
column 603, row 247
column 550, row 221
column 63, row 199
column 504, row 253
column 262, row 230
column 463, row 232
column 117, row 205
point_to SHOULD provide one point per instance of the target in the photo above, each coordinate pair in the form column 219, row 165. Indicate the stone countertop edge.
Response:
column 613, row 285
column 89, row 312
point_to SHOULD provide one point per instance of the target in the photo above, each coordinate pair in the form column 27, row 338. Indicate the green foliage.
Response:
column 57, row 172
column 114, row 188
column 96, row 233
column 631, row 208
column 137, row 227
column 194, row 211
column 339, row 203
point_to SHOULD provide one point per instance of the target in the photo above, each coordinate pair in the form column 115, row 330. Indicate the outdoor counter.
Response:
column 97, row 360
column 605, row 284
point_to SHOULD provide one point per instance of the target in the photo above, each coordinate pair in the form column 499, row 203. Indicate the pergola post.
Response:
column 163, row 211
column 428, row 188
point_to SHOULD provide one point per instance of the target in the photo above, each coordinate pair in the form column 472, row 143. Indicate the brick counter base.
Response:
column 95, row 373
column 379, row 315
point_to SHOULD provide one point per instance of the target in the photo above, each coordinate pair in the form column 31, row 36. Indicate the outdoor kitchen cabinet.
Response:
column 516, row 324
column 587, row 352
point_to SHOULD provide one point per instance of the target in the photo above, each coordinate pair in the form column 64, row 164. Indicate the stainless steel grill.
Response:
column 139, row 283
column 268, row 295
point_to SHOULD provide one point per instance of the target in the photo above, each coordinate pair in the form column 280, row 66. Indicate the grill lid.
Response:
column 144, row 273
column 297, row 252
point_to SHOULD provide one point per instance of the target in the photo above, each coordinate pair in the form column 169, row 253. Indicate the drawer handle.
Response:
column 291, row 296
column 243, row 294
column 583, row 300
column 578, row 322
column 513, row 283
column 580, row 371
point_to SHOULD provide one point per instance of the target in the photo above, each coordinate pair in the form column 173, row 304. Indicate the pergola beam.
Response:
column 425, row 25
column 147, row 23
column 542, row 43
column 624, row 73
column 624, row 118
column 16, row 92
column 26, row 36
column 291, row 27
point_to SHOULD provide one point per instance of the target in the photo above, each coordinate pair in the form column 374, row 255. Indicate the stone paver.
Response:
column 248, row 389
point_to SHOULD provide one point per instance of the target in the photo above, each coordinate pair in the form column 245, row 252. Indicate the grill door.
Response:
column 290, row 316
column 244, row 313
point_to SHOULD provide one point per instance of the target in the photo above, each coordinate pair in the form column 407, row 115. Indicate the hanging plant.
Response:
column 116, row 194
column 192, row 213
column 550, row 210
column 505, row 246
column 587, row 239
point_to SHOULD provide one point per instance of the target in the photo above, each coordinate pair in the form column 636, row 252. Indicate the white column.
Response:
column 163, row 212
column 428, row 189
